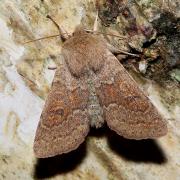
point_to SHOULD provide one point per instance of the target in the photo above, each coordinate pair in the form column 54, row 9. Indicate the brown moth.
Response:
column 91, row 86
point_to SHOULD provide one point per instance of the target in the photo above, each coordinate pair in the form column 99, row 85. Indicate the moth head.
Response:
column 79, row 30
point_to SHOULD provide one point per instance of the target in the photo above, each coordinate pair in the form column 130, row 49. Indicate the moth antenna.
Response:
column 97, row 32
column 62, row 33
column 87, row 30
column 42, row 38
column 117, row 51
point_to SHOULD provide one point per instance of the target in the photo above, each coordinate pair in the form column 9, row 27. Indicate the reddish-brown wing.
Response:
column 64, row 122
column 127, row 110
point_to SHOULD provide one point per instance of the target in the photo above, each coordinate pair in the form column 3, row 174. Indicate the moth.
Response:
column 91, row 87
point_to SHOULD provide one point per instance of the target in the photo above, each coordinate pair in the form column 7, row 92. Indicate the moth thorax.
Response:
column 95, row 110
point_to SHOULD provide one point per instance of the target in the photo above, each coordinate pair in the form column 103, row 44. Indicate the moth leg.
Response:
column 121, row 57
column 117, row 51
column 52, row 67
column 63, row 34
column 95, row 27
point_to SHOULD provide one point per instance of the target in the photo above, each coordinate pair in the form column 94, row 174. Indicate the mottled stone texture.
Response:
column 152, row 30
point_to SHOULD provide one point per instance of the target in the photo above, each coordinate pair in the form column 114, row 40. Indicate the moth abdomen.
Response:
column 95, row 113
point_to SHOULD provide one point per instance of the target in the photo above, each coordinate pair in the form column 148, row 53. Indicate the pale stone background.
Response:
column 25, row 81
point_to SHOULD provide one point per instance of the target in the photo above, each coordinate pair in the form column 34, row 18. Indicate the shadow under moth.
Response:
column 91, row 87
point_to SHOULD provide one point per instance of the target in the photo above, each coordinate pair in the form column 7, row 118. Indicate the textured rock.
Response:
column 25, row 81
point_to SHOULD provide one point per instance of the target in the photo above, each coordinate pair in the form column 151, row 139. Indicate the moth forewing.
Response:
column 127, row 109
column 64, row 123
